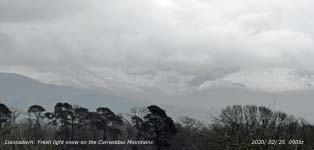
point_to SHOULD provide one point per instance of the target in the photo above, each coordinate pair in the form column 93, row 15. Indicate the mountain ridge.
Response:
column 176, row 83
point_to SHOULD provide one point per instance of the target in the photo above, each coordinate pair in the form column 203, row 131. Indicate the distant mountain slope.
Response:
column 20, row 91
column 287, row 89
column 167, row 81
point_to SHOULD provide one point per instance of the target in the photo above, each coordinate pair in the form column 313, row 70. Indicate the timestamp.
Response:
column 277, row 142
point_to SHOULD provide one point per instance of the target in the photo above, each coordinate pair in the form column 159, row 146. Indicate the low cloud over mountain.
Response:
column 183, row 35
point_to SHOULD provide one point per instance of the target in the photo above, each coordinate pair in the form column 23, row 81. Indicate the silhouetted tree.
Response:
column 234, row 129
column 109, row 123
column 37, row 111
column 159, row 127
column 81, row 116
column 64, row 116
column 190, row 131
column 5, row 122
column 137, row 121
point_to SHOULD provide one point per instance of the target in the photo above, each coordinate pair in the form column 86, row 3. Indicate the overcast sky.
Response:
column 178, row 34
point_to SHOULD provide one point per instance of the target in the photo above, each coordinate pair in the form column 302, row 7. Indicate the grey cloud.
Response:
column 34, row 10
column 181, row 34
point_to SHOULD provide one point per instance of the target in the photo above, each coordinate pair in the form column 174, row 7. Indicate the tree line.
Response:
column 236, row 127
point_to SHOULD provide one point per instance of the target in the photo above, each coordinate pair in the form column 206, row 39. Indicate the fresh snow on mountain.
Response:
column 273, row 79
column 187, row 92
column 167, row 81
column 125, row 79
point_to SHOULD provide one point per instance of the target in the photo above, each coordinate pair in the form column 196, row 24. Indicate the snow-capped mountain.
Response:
column 269, row 79
column 126, row 79
column 195, row 92
column 273, row 79
column 173, row 82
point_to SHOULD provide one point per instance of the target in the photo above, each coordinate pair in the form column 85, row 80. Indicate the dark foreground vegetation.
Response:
column 235, row 128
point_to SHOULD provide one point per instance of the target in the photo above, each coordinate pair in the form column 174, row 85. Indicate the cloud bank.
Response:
column 177, row 34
